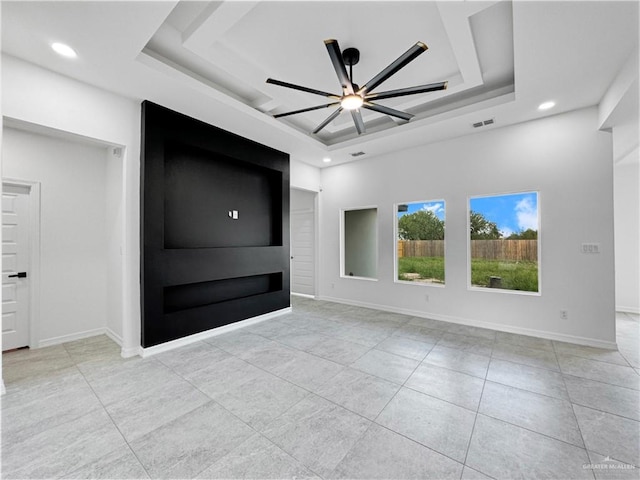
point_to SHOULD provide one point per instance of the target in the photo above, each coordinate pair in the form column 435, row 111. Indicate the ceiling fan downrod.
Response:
column 351, row 57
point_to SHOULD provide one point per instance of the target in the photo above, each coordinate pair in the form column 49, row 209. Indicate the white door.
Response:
column 302, row 253
column 15, row 263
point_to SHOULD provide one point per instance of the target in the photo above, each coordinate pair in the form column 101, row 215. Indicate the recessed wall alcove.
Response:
column 215, row 227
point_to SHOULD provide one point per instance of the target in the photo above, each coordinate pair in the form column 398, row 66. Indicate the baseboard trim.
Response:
column 622, row 309
column 129, row 352
column 113, row 336
column 560, row 337
column 303, row 295
column 71, row 337
column 214, row 332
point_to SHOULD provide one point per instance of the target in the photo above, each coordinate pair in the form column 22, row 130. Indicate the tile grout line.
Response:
column 79, row 371
column 104, row 408
column 475, row 420
column 550, row 396
column 309, row 393
column 355, row 442
column 74, row 367
column 575, row 417
column 418, row 443
column 230, row 413
column 372, row 422
column 477, row 412
column 403, row 385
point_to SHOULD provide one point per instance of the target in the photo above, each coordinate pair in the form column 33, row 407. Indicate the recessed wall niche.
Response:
column 215, row 227
column 360, row 243
column 201, row 188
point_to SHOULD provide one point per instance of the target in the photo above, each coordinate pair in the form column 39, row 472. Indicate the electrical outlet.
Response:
column 426, row 297
column 564, row 314
column 333, row 285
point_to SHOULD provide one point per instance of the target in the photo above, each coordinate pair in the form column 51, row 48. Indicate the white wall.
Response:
column 627, row 234
column 73, row 230
column 2, row 387
column 304, row 176
column 34, row 95
column 301, row 200
column 618, row 111
column 114, row 221
column 565, row 158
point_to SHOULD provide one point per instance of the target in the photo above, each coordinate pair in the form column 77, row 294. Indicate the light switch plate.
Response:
column 590, row 248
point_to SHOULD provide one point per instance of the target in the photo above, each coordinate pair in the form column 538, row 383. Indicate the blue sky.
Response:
column 436, row 207
column 512, row 213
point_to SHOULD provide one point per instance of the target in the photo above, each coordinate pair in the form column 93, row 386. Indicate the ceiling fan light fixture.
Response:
column 351, row 102
column 354, row 97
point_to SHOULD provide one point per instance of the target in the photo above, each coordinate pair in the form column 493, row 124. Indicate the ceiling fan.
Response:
column 353, row 96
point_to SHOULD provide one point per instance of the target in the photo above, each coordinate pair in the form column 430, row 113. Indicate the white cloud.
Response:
column 506, row 231
column 526, row 214
column 433, row 207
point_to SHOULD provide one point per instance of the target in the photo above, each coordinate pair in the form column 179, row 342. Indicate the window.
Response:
column 504, row 243
column 360, row 243
column 420, row 242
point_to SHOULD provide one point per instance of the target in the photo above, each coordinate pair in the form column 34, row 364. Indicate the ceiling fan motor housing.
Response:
column 351, row 56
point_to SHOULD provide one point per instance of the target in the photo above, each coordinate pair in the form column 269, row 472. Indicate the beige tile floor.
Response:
column 329, row 391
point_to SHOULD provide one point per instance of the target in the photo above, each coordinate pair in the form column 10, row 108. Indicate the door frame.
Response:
column 34, row 254
column 306, row 211
column 316, row 239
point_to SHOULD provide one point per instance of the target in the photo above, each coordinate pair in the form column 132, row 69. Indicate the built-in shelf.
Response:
column 202, row 187
column 194, row 295
column 215, row 227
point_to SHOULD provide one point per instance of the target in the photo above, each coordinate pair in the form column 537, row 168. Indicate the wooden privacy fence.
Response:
column 420, row 248
column 513, row 250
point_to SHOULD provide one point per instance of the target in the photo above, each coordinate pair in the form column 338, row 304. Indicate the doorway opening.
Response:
column 20, row 261
column 74, row 276
column 303, row 242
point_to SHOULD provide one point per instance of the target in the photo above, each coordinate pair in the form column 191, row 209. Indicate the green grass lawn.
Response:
column 426, row 267
column 514, row 275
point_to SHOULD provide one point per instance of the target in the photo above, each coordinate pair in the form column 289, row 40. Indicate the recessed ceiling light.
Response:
column 64, row 50
column 546, row 105
column 326, row 160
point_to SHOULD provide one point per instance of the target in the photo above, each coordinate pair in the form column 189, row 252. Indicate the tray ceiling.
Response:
column 235, row 46
column 210, row 61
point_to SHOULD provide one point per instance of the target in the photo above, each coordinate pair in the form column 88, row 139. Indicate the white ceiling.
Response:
column 210, row 60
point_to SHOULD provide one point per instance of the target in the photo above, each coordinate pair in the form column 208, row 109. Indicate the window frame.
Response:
column 472, row 288
column 396, row 239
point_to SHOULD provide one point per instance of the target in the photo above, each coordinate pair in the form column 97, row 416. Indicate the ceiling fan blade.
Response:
column 357, row 119
column 387, row 111
column 328, row 120
column 400, row 92
column 400, row 62
column 338, row 64
column 306, row 110
column 303, row 89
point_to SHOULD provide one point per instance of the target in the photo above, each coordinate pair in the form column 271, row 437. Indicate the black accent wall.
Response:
column 201, row 267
